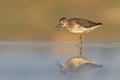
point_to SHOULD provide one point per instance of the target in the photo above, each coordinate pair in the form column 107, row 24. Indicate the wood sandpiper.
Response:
column 77, row 26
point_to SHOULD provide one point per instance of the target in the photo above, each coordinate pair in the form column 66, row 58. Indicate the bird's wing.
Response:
column 86, row 23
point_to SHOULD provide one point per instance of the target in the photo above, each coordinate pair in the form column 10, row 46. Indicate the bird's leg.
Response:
column 81, row 46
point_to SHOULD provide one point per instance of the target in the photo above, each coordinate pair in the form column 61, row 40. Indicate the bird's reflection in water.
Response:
column 77, row 64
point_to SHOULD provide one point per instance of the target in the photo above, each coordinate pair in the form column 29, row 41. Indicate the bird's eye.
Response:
column 63, row 21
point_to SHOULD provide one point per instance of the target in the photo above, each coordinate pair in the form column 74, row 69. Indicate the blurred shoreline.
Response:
column 35, row 20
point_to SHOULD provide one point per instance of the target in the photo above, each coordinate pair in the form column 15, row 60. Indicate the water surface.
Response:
column 36, row 60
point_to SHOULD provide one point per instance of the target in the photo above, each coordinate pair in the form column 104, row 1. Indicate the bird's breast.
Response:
column 76, row 29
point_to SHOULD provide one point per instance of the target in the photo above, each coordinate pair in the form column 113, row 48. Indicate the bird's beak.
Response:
column 58, row 64
column 58, row 27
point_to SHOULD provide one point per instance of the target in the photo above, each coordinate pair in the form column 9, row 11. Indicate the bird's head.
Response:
column 62, row 23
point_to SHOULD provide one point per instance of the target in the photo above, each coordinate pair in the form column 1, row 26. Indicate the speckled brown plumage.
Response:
column 83, row 22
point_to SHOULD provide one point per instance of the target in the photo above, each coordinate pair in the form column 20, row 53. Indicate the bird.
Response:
column 78, row 26
column 77, row 64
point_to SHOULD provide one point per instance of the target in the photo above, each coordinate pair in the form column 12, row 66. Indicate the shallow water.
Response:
column 36, row 60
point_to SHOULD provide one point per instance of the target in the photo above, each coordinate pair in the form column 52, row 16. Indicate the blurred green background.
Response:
column 34, row 20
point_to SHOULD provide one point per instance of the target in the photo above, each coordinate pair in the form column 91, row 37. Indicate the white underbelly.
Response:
column 78, row 30
column 81, row 29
